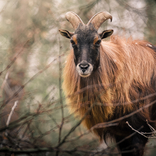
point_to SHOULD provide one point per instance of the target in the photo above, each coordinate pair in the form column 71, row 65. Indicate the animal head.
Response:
column 86, row 41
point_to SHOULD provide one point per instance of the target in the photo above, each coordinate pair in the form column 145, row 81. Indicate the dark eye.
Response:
column 73, row 43
column 98, row 43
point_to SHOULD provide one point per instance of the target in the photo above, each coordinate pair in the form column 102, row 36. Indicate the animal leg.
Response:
column 133, row 146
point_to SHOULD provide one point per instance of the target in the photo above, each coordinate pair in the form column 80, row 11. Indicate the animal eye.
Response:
column 98, row 43
column 73, row 43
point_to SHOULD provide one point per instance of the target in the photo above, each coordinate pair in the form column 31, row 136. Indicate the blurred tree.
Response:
column 151, row 21
column 19, row 43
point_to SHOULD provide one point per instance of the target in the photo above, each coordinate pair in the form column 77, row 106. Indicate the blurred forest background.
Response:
column 34, row 118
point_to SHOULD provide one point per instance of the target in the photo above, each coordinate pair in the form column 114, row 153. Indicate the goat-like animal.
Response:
column 115, row 80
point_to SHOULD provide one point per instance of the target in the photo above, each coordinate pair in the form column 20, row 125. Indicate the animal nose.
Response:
column 84, row 66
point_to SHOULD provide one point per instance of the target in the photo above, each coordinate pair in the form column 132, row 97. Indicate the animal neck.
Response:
column 86, row 92
column 93, row 92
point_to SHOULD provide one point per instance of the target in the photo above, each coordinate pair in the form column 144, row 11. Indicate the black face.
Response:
column 86, row 45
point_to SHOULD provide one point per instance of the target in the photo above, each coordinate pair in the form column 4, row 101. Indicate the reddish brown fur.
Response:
column 95, row 39
column 125, row 66
column 74, row 39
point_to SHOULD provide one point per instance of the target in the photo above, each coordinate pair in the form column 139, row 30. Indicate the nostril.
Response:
column 84, row 67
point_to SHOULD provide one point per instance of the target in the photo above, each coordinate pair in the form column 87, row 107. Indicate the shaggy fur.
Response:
column 127, row 72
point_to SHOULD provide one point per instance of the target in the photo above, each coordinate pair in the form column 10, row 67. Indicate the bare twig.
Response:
column 4, row 82
column 141, row 133
column 73, row 128
column 123, row 117
column 32, row 78
column 60, row 91
column 12, row 110
column 151, row 127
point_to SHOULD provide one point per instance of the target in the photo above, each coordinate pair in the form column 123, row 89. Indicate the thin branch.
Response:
column 4, row 82
column 36, row 150
column 101, row 125
column 141, row 133
column 73, row 128
column 32, row 78
column 12, row 110
column 151, row 127
column 60, row 91
column 87, row 132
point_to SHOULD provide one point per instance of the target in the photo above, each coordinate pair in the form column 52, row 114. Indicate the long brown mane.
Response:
column 126, row 72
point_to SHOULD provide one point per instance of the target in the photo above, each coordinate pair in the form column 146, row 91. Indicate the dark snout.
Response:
column 84, row 69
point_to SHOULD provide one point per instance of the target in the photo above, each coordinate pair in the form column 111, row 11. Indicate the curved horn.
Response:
column 99, row 18
column 74, row 19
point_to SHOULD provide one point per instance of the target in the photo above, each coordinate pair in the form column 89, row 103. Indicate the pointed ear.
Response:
column 106, row 33
column 66, row 33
